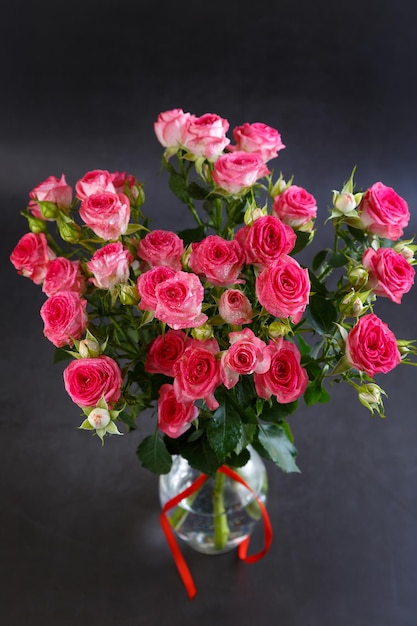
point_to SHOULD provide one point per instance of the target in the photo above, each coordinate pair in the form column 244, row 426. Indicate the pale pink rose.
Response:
column 371, row 347
column 64, row 318
column 96, row 181
column 283, row 288
column 258, row 138
column 174, row 416
column 64, row 275
column 197, row 375
column 236, row 171
column 235, row 308
column 147, row 283
column 383, row 212
column 220, row 260
column 89, row 380
column 31, row 256
column 164, row 351
column 286, row 378
column 389, row 273
column 265, row 240
column 170, row 127
column 295, row 206
column 110, row 265
column 52, row 190
column 206, row 135
column 107, row 214
column 179, row 300
column 246, row 355
column 161, row 247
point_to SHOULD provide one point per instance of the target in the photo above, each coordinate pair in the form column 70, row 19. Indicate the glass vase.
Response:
column 222, row 512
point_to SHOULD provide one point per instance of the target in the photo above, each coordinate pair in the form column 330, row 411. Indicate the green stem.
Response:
column 221, row 528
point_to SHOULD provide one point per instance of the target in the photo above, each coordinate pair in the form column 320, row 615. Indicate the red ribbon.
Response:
column 182, row 566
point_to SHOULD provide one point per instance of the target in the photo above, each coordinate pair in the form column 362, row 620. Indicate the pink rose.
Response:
column 147, row 283
column 285, row 379
column 170, row 127
column 206, row 136
column 246, row 355
column 179, row 300
column 383, row 212
column 371, row 347
column 107, row 214
column 164, row 351
column 265, row 240
column 64, row 275
column 220, row 260
column 31, row 256
column 258, row 138
column 389, row 273
column 50, row 190
column 122, row 182
column 295, row 206
column 89, row 380
column 96, row 181
column 110, row 265
column 161, row 247
column 64, row 318
column 174, row 417
column 283, row 288
column 235, row 308
column 235, row 171
column 197, row 375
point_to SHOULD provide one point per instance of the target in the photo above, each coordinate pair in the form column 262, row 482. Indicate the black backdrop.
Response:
column 81, row 84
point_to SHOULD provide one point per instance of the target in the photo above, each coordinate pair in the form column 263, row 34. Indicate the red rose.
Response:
column 174, row 416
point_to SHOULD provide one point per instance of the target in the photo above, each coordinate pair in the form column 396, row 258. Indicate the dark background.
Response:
column 81, row 85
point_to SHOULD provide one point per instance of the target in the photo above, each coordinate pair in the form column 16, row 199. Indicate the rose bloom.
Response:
column 161, row 247
column 174, row 417
column 107, row 214
column 31, row 256
column 147, row 283
column 295, row 206
column 50, row 190
column 286, row 378
column 371, row 347
column 170, row 127
column 179, row 300
column 96, row 181
column 283, row 288
column 110, row 265
column 89, row 380
column 246, row 355
column 197, row 375
column 206, row 135
column 164, row 351
column 64, row 318
column 383, row 212
column 389, row 273
column 220, row 260
column 238, row 170
column 235, row 308
column 265, row 240
column 64, row 275
column 122, row 181
column 257, row 138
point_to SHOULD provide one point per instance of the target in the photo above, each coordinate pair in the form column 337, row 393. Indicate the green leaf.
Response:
column 321, row 314
column 153, row 454
column 337, row 260
column 190, row 235
column 178, row 187
column 316, row 285
column 200, row 455
column 318, row 259
column 224, row 430
column 303, row 239
column 273, row 444
column 276, row 412
column 197, row 192
column 238, row 460
column 315, row 393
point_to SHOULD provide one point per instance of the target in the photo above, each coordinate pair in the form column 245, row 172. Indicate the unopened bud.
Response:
column 252, row 214
column 36, row 224
column 99, row 418
column 344, row 202
column 358, row 276
column 49, row 210
column 203, row 332
column 69, row 231
column 370, row 396
column 128, row 295
column 279, row 329
column 405, row 251
column 89, row 348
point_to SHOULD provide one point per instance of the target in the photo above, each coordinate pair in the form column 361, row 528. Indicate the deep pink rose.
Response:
column 161, row 247
column 146, row 285
column 235, row 308
column 220, row 260
column 390, row 274
column 179, row 300
column 247, row 354
column 283, row 288
column 258, row 138
column 383, row 212
column 52, row 190
column 170, row 127
column 122, row 182
column 236, row 171
column 371, row 347
column 96, row 181
column 265, row 240
column 64, row 318
column 107, row 214
column 89, row 380
column 286, row 378
column 64, row 275
column 164, row 351
column 206, row 135
column 110, row 265
column 174, row 416
column 197, row 375
column 31, row 256
column 295, row 206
